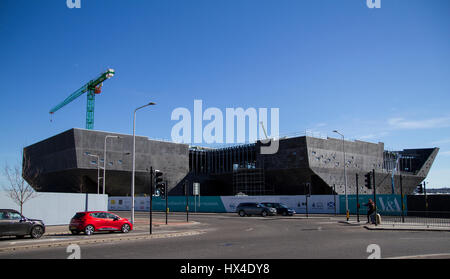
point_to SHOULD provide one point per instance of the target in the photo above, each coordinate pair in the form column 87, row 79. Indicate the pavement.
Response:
column 60, row 235
column 398, row 226
column 159, row 223
column 139, row 224
column 228, row 236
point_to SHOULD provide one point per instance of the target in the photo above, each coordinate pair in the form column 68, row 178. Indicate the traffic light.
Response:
column 368, row 180
column 162, row 191
column 159, row 184
column 420, row 189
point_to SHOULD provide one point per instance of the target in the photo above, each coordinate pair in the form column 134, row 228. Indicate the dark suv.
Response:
column 254, row 208
column 12, row 223
column 281, row 208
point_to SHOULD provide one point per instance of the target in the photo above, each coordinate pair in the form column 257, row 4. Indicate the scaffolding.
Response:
column 249, row 181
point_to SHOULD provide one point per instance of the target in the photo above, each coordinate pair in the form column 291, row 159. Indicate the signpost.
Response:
column 196, row 192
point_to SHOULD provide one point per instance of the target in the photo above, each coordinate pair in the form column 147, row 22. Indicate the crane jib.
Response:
column 69, row 99
column 88, row 86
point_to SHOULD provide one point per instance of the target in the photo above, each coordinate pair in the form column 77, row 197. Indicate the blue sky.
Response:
column 373, row 74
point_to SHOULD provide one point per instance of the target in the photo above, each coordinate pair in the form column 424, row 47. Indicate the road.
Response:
column 228, row 236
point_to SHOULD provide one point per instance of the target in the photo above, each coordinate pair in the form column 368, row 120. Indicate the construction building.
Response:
column 74, row 161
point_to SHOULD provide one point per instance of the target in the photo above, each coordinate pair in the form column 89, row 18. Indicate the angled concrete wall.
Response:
column 63, row 163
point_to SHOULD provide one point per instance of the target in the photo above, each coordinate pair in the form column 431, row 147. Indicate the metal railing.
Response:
column 409, row 218
column 418, row 218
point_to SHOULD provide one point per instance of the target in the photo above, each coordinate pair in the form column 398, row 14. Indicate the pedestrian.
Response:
column 370, row 209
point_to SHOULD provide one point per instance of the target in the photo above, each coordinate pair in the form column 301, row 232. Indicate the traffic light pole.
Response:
column 425, row 196
column 357, row 198
column 308, row 193
column 151, row 198
column 334, row 196
column 306, row 197
column 186, row 191
column 374, row 195
column 167, row 201
column 401, row 196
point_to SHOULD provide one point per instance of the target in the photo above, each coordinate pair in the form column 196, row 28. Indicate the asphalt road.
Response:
column 228, row 236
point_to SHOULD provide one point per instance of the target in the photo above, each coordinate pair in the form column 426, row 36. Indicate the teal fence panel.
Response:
column 175, row 204
column 196, row 204
column 386, row 204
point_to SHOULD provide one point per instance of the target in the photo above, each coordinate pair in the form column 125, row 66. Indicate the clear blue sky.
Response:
column 373, row 74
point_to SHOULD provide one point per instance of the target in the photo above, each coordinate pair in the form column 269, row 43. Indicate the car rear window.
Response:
column 78, row 216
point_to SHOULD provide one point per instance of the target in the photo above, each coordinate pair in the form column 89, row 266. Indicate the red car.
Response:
column 93, row 221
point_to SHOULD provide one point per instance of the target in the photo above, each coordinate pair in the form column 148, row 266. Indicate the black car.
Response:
column 12, row 223
column 281, row 208
column 254, row 208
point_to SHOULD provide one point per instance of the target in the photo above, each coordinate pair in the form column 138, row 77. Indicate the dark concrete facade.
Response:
column 64, row 166
column 317, row 161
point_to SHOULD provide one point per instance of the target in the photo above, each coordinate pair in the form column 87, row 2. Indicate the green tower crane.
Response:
column 92, row 87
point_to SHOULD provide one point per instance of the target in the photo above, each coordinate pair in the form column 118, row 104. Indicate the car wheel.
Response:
column 242, row 213
column 125, row 228
column 89, row 230
column 37, row 232
column 264, row 213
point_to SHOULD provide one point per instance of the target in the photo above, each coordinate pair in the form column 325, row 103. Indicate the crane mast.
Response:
column 91, row 88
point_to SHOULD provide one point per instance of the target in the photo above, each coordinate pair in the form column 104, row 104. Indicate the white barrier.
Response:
column 56, row 208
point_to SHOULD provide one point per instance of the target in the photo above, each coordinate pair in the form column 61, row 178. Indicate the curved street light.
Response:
column 345, row 173
column 98, row 170
column 134, row 159
column 104, row 160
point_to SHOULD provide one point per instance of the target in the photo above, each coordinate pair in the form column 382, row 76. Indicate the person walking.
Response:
column 370, row 209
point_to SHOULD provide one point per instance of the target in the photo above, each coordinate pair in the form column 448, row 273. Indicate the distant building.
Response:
column 63, row 165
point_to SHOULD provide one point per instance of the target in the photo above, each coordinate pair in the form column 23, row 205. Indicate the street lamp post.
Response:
column 134, row 159
column 104, row 160
column 345, row 174
column 98, row 171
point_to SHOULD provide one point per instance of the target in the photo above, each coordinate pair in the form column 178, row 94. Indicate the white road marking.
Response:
column 424, row 256
column 33, row 241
